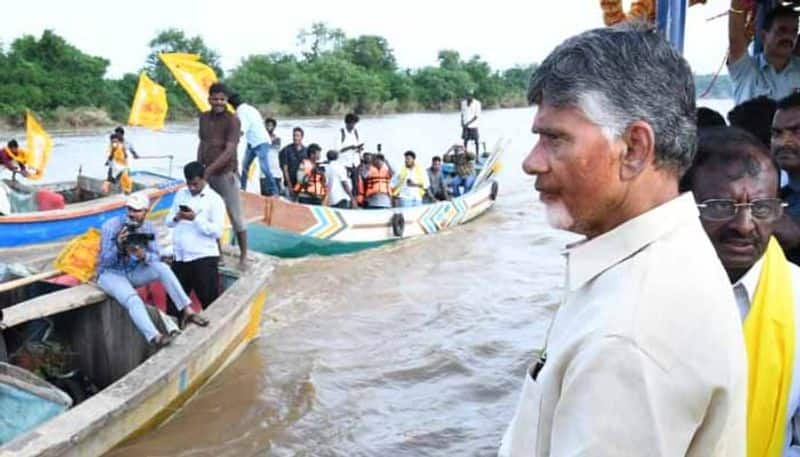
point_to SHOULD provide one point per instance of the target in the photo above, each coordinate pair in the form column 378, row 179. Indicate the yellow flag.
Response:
column 192, row 74
column 39, row 146
column 149, row 108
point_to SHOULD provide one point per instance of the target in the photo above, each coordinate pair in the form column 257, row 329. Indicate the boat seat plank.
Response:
column 49, row 304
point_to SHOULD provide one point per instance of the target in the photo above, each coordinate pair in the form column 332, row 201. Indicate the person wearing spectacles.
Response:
column 735, row 183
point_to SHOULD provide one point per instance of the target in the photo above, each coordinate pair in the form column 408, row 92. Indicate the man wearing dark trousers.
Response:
column 197, row 220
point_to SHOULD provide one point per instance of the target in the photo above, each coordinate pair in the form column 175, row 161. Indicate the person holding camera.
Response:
column 129, row 258
column 197, row 218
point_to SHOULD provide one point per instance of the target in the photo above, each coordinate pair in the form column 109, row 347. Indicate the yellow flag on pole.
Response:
column 192, row 74
column 39, row 146
column 79, row 256
column 149, row 108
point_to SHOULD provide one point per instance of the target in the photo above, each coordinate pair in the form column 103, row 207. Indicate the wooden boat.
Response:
column 287, row 229
column 138, row 389
column 85, row 207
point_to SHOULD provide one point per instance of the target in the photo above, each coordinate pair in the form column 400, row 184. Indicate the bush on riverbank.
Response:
column 330, row 75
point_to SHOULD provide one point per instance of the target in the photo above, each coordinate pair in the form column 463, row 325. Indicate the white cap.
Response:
column 138, row 201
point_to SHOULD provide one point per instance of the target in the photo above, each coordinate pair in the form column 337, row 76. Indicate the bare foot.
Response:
column 242, row 265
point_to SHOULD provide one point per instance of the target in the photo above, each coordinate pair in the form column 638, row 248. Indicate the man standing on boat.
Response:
column 219, row 132
column 129, row 258
column 197, row 219
column 290, row 159
column 470, row 112
column 735, row 183
column 258, row 142
column 775, row 72
column 350, row 147
column 645, row 355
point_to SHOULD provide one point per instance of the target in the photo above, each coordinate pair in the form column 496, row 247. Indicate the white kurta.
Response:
column 646, row 355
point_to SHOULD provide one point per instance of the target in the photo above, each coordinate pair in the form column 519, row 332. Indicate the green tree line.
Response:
column 330, row 74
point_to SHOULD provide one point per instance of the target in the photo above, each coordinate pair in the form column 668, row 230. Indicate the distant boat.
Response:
column 134, row 388
column 287, row 229
column 85, row 207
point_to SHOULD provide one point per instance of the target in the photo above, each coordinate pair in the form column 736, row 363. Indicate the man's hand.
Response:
column 187, row 215
column 138, row 252
column 122, row 236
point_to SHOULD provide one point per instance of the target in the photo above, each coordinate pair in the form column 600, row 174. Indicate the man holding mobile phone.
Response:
column 197, row 218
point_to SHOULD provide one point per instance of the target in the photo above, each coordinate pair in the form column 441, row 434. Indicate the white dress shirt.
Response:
column 192, row 240
column 335, row 173
column 645, row 356
column 253, row 129
column 744, row 290
column 470, row 111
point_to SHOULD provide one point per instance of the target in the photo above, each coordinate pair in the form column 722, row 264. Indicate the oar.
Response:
column 19, row 282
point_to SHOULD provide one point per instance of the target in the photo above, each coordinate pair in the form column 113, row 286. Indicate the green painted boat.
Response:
column 286, row 229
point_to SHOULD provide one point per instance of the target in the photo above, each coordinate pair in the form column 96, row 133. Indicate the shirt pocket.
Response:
column 522, row 436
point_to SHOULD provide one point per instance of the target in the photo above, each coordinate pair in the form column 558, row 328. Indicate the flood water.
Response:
column 414, row 349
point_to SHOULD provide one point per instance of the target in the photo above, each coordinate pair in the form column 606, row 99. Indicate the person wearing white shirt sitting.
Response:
column 470, row 112
column 197, row 218
column 340, row 194
column 258, row 143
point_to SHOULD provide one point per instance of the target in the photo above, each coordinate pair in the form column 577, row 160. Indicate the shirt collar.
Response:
column 590, row 258
column 763, row 64
column 750, row 279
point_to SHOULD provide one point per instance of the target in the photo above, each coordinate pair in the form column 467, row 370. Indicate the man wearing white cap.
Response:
column 129, row 258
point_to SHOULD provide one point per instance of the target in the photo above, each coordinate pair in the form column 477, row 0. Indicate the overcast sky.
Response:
column 503, row 32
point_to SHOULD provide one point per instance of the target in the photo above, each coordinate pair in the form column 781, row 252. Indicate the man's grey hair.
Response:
column 620, row 75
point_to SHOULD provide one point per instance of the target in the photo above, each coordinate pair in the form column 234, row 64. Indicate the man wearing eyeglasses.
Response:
column 735, row 183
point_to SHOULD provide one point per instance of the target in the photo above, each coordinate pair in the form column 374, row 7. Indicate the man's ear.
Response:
column 639, row 150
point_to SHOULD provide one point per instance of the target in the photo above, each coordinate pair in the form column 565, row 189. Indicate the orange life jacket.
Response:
column 378, row 181
column 313, row 183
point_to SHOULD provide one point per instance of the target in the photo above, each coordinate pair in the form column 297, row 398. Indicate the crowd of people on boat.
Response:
column 678, row 331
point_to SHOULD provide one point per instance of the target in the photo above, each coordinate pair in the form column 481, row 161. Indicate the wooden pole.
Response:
column 13, row 284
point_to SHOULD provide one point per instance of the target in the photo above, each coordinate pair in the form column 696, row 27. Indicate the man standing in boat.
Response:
column 645, row 355
column 290, row 159
column 775, row 72
column 735, row 183
column 470, row 112
column 219, row 132
column 129, row 258
column 258, row 144
column 351, row 144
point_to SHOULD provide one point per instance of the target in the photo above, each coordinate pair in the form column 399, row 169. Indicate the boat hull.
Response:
column 154, row 390
column 294, row 230
column 24, row 229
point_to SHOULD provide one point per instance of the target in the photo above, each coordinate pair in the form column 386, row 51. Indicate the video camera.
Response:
column 136, row 238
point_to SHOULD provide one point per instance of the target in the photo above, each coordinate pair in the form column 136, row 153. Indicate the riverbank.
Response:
column 92, row 117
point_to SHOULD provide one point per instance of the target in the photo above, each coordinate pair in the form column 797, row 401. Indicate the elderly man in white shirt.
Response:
column 258, row 144
column 197, row 219
column 645, row 356
column 735, row 183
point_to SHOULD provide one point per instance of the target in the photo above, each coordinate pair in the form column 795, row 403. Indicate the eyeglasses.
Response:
column 723, row 209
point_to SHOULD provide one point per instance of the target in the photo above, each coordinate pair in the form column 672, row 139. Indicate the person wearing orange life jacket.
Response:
column 310, row 187
column 411, row 183
column 375, row 189
column 117, row 163
column 14, row 158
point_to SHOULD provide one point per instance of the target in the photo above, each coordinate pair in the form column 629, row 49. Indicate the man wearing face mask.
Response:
column 735, row 183
column 775, row 72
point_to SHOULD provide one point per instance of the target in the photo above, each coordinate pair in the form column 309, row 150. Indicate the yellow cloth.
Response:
column 769, row 332
column 193, row 75
column 79, row 256
column 149, row 108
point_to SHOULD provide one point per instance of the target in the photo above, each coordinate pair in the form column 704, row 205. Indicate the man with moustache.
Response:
column 735, row 183
column 645, row 355
column 775, row 72
column 785, row 148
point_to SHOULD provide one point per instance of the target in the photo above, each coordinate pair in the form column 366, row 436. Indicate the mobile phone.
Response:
column 184, row 208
